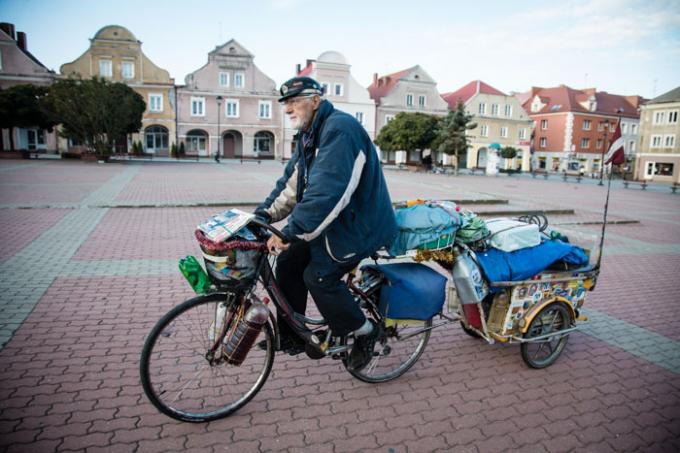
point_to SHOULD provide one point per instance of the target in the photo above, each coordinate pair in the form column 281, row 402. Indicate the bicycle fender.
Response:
column 533, row 311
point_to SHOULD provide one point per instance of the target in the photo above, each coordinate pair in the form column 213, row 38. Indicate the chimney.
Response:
column 477, row 89
column 21, row 40
column 375, row 78
column 298, row 68
column 8, row 28
column 310, row 62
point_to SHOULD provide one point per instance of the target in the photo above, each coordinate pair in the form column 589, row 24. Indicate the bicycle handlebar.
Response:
column 262, row 224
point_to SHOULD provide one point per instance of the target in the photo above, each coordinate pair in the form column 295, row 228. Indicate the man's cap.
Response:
column 300, row 86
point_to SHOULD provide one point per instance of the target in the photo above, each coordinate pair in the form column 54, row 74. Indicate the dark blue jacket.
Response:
column 333, row 190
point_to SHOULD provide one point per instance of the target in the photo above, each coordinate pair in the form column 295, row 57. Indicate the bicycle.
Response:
column 194, row 368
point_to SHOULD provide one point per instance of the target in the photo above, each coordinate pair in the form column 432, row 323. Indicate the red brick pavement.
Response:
column 70, row 381
column 69, row 378
column 19, row 227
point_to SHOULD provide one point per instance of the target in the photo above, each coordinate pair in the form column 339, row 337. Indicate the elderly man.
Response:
column 334, row 194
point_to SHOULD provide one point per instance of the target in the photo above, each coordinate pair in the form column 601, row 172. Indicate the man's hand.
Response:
column 276, row 245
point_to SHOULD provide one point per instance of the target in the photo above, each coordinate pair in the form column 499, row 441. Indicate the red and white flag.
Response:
column 615, row 155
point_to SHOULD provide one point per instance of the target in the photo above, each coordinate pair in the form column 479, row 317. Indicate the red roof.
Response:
column 382, row 86
column 466, row 92
column 565, row 99
column 306, row 71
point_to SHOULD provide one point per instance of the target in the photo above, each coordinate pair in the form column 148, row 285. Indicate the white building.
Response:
column 332, row 71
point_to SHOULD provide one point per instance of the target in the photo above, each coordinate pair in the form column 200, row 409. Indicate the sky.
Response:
column 623, row 47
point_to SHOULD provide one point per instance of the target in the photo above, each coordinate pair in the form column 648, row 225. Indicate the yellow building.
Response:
column 116, row 54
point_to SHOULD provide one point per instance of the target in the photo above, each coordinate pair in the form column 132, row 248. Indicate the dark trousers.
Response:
column 304, row 267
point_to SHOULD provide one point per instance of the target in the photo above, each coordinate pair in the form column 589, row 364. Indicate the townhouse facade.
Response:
column 501, row 121
column 115, row 54
column 230, row 106
column 409, row 90
column 659, row 149
column 18, row 67
column 573, row 128
column 332, row 71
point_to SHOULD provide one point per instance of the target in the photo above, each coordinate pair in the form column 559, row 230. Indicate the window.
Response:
column 197, row 106
column 598, row 143
column 409, row 100
column 156, row 138
column 388, row 118
column 338, row 89
column 421, row 101
column 105, row 68
column 155, row 102
column 325, row 86
column 239, row 80
column 669, row 141
column 0, row 60
column 224, row 79
column 504, row 131
column 586, row 125
column 494, row 109
column 624, row 128
column 631, row 146
column 633, row 129
column 263, row 142
column 127, row 69
column 656, row 141
column 360, row 117
column 659, row 117
column 196, row 141
column 543, row 142
column 664, row 169
column 484, row 130
column 265, row 109
column 231, row 108
column 585, row 143
column 508, row 111
column 544, row 124
column 522, row 134
column 482, row 108
column 673, row 117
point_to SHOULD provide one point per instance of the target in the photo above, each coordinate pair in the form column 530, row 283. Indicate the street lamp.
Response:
column 604, row 150
column 219, row 136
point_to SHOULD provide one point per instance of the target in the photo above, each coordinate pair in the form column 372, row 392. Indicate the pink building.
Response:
column 18, row 66
column 230, row 105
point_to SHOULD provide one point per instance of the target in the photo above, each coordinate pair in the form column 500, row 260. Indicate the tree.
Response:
column 451, row 135
column 508, row 152
column 407, row 132
column 96, row 112
column 23, row 106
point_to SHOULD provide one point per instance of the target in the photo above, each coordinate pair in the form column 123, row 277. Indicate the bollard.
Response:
column 564, row 177
column 545, row 175
column 578, row 179
column 644, row 185
column 625, row 184
column 674, row 187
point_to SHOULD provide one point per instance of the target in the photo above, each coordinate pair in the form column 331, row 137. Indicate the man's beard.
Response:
column 302, row 123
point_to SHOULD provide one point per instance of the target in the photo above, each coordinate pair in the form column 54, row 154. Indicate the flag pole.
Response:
column 604, row 220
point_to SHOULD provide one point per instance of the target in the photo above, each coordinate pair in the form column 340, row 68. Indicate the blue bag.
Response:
column 412, row 291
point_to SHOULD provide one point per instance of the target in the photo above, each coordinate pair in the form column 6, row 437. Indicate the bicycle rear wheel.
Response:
column 396, row 351
column 178, row 376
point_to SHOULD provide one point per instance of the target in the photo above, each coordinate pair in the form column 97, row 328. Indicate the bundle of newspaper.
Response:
column 222, row 226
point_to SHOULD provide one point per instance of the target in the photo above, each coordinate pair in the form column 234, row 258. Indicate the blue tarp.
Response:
column 525, row 263
column 421, row 224
column 413, row 291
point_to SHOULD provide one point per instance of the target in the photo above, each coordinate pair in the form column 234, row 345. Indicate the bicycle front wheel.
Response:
column 180, row 377
column 396, row 351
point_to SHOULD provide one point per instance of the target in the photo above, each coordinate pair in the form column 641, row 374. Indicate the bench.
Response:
column 642, row 184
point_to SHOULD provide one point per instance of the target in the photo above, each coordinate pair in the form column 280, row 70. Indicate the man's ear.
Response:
column 316, row 101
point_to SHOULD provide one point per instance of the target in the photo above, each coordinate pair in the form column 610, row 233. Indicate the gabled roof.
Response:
column 6, row 37
column 671, row 96
column 467, row 91
column 382, row 86
column 564, row 99
column 232, row 47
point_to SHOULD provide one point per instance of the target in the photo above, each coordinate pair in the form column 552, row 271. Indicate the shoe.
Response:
column 289, row 345
column 362, row 349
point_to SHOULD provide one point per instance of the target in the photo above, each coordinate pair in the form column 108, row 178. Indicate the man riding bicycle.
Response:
column 339, row 211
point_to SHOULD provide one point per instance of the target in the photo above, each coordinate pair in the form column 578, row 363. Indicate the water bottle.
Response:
column 470, row 287
column 218, row 323
column 238, row 345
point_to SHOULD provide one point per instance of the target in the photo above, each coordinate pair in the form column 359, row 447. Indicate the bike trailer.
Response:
column 412, row 290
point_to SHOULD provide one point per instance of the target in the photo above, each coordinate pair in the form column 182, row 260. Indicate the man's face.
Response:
column 300, row 110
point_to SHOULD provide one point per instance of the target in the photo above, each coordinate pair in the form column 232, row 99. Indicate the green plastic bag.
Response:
column 474, row 228
column 195, row 275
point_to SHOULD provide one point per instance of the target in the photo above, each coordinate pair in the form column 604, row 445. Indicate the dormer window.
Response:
column 592, row 103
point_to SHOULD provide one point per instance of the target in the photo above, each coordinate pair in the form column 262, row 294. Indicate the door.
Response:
column 650, row 169
column 35, row 139
column 481, row 158
column 228, row 148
